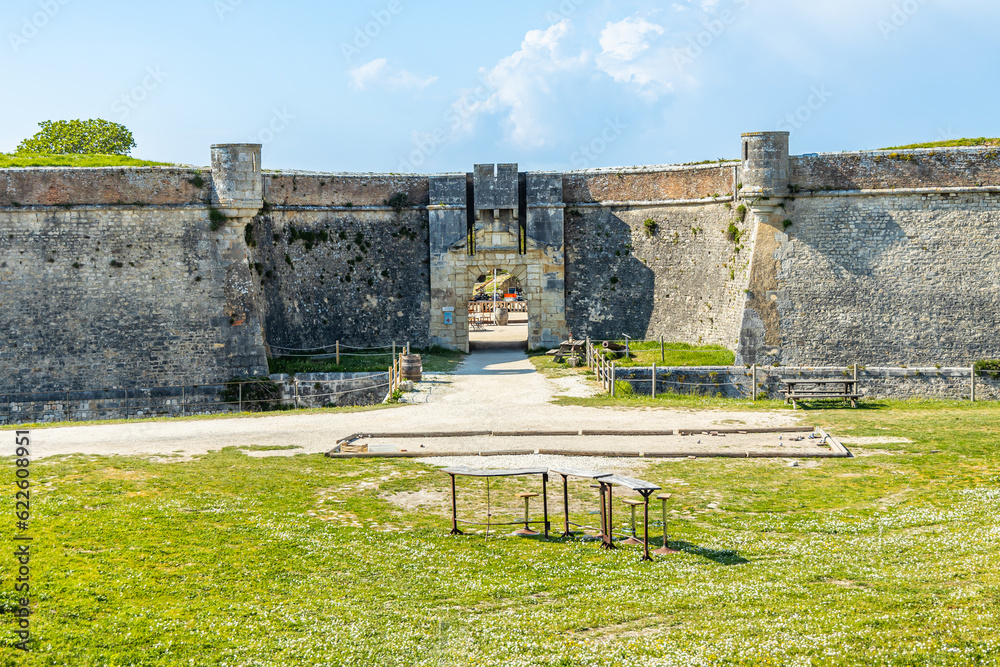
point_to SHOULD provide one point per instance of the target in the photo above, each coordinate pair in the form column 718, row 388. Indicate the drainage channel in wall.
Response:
column 801, row 442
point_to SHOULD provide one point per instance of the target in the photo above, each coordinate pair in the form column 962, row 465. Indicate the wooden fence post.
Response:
column 753, row 382
column 241, row 397
column 295, row 384
column 654, row 380
column 663, row 352
column 972, row 378
column 338, row 352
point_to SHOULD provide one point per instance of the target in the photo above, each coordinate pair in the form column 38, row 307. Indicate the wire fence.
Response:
column 753, row 381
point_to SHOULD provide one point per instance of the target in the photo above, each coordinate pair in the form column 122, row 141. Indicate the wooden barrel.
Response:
column 411, row 367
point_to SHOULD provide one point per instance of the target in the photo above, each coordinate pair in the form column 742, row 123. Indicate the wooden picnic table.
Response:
column 821, row 388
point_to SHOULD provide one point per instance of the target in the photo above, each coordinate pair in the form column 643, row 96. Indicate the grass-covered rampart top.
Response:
column 8, row 161
column 949, row 143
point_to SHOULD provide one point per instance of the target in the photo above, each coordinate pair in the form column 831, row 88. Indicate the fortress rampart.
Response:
column 120, row 277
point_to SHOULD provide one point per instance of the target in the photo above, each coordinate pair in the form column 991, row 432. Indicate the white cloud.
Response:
column 527, row 86
column 378, row 73
column 626, row 39
column 628, row 56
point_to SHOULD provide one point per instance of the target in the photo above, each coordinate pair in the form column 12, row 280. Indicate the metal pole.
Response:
column 604, row 515
column 645, row 528
column 296, row 385
column 241, row 397
column 545, row 503
column 654, row 380
column 614, row 379
column 183, row 401
column 611, row 529
column 126, row 404
column 753, row 382
column 566, row 532
column 663, row 352
column 972, row 378
column 394, row 351
column 454, row 510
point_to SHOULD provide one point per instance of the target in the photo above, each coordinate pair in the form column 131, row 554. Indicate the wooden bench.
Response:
column 821, row 388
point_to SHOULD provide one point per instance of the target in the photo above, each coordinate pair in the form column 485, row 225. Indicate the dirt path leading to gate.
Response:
column 494, row 389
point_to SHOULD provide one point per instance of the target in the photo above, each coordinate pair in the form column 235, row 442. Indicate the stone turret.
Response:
column 765, row 164
column 237, row 184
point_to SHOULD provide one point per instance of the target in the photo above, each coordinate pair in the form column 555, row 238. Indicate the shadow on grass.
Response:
column 722, row 557
column 837, row 404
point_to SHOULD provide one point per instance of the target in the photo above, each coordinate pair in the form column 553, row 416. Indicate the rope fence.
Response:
column 180, row 400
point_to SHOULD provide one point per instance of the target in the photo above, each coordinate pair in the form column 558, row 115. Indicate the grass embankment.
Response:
column 433, row 360
column 885, row 559
column 9, row 160
column 950, row 143
column 647, row 353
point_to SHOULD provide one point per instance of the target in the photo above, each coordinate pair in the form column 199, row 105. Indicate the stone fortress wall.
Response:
column 123, row 277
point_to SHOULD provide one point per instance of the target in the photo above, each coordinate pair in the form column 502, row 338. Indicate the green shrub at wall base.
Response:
column 216, row 218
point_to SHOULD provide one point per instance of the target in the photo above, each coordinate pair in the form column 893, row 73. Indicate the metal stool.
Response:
column 526, row 530
column 632, row 505
column 664, row 550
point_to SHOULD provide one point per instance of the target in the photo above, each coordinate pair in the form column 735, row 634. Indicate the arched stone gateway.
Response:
column 515, row 222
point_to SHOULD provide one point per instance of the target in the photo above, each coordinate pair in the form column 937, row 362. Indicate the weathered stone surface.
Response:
column 114, row 277
column 889, row 279
column 98, row 298
column 880, row 170
column 682, row 276
column 358, row 277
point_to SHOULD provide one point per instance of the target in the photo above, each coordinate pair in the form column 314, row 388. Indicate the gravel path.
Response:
column 494, row 389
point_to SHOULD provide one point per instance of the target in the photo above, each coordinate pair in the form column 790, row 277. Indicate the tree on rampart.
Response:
column 95, row 136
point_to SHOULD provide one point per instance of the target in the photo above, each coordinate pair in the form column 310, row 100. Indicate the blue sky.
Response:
column 407, row 85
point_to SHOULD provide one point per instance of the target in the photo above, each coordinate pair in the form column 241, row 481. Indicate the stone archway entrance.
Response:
column 489, row 331
column 515, row 222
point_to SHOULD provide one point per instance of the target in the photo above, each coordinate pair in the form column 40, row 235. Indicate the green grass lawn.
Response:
column 433, row 360
column 8, row 160
column 889, row 558
column 950, row 143
column 647, row 353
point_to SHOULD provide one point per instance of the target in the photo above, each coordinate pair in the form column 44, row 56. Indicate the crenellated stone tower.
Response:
column 765, row 173
column 238, row 194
